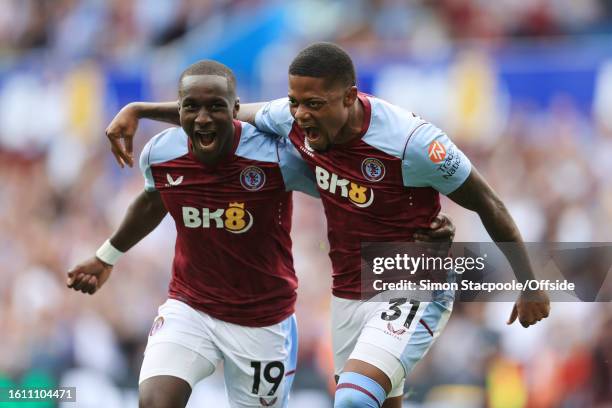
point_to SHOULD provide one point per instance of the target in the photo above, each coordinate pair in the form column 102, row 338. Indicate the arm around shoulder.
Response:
column 120, row 132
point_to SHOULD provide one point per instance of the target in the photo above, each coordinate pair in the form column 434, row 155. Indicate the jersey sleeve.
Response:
column 431, row 159
column 296, row 173
column 145, row 165
column 275, row 117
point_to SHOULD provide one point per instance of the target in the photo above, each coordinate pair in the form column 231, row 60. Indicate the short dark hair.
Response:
column 210, row 67
column 324, row 60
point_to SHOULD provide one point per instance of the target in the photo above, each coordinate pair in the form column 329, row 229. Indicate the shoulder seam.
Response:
column 149, row 154
column 410, row 136
column 155, row 139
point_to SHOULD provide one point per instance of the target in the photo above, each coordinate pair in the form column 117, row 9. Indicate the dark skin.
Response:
column 331, row 114
column 207, row 106
column 328, row 114
column 121, row 131
column 163, row 391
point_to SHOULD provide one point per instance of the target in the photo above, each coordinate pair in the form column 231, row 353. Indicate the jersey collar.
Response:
column 367, row 117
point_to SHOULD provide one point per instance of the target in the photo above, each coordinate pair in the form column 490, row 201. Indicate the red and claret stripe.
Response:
column 358, row 388
column 426, row 326
column 288, row 373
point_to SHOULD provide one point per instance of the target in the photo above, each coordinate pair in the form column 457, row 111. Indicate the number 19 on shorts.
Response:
column 272, row 373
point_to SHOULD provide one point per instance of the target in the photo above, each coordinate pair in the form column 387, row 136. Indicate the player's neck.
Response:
column 354, row 124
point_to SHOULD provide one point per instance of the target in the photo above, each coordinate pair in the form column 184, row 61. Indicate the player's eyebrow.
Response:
column 187, row 99
column 206, row 100
column 309, row 99
column 217, row 99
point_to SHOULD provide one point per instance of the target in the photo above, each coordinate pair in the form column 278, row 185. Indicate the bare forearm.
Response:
column 248, row 111
column 168, row 111
column 159, row 111
column 498, row 222
column 503, row 230
column 142, row 217
column 476, row 195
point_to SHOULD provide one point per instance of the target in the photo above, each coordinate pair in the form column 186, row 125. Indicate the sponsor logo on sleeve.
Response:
column 436, row 152
column 451, row 163
column 252, row 178
column 373, row 169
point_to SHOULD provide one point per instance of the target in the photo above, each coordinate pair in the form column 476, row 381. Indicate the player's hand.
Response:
column 530, row 308
column 121, row 133
column 89, row 276
column 441, row 231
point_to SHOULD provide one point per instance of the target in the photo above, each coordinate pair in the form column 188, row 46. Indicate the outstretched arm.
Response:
column 121, row 130
column 143, row 216
column 475, row 194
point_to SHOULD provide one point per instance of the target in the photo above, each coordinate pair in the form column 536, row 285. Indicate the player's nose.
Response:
column 301, row 114
column 203, row 117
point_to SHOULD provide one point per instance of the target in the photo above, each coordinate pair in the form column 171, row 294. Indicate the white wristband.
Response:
column 107, row 253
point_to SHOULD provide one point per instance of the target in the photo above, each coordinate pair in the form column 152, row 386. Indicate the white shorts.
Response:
column 259, row 362
column 392, row 336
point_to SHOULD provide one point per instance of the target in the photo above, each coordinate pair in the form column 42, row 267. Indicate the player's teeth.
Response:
column 206, row 138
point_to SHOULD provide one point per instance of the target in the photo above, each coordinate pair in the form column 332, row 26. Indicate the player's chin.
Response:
column 319, row 144
column 208, row 152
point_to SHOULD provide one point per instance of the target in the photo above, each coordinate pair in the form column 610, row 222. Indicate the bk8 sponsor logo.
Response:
column 235, row 219
column 360, row 196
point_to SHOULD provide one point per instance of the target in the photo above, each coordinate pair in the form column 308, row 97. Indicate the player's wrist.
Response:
column 108, row 254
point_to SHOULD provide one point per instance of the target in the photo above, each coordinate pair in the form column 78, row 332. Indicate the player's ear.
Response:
column 350, row 96
column 236, row 107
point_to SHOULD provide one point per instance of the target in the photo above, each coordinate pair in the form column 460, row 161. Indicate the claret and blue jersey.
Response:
column 381, row 186
column 233, row 250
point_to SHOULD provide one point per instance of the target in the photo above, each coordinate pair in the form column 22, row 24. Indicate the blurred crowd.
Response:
column 62, row 195
column 101, row 28
column 118, row 28
column 398, row 23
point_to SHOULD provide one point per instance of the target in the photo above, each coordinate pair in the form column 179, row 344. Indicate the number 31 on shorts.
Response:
column 394, row 307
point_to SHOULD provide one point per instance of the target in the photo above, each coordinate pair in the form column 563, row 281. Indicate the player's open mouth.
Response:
column 312, row 134
column 205, row 140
